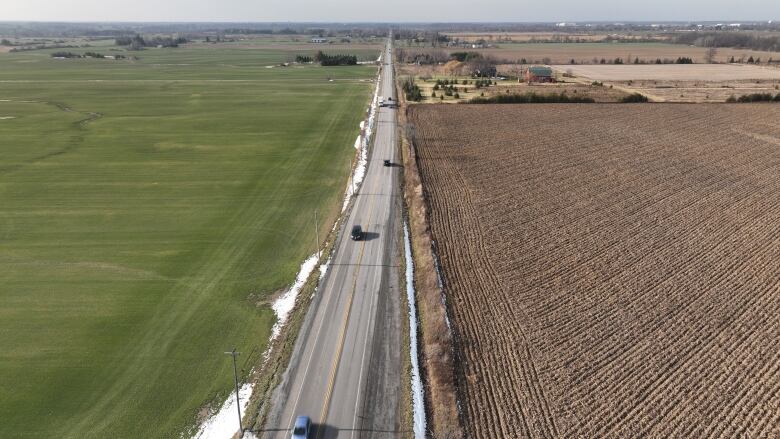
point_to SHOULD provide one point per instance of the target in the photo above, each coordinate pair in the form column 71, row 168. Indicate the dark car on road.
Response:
column 357, row 233
column 388, row 163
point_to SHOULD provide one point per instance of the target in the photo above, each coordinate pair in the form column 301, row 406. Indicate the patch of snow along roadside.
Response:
column 284, row 304
column 418, row 406
column 224, row 423
column 324, row 268
column 361, row 144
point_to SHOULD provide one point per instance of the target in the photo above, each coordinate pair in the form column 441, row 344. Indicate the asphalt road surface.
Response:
column 345, row 370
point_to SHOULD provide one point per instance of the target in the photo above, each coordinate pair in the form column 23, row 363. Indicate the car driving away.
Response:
column 302, row 428
column 388, row 163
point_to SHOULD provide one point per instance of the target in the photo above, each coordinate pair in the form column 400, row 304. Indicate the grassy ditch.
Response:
column 407, row 415
column 437, row 342
column 269, row 376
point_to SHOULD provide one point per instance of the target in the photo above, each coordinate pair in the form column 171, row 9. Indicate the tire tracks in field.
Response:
column 132, row 375
column 73, row 142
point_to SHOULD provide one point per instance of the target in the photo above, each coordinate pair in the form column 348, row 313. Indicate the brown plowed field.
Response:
column 673, row 72
column 613, row 270
column 585, row 53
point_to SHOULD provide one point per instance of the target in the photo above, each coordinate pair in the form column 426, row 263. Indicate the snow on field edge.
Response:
column 223, row 424
column 361, row 144
column 284, row 304
column 418, row 406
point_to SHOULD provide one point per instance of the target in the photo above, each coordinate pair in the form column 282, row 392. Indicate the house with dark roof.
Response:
column 539, row 74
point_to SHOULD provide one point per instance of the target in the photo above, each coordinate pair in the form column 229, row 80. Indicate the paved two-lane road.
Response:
column 345, row 369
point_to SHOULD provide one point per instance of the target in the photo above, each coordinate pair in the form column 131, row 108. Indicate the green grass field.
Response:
column 148, row 211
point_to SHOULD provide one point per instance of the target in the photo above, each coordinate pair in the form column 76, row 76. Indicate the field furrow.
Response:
column 612, row 270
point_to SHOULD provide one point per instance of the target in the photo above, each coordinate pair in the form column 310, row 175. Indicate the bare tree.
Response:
column 709, row 55
column 483, row 66
column 438, row 55
column 400, row 55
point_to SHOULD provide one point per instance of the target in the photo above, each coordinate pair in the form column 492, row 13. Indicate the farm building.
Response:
column 539, row 74
column 319, row 40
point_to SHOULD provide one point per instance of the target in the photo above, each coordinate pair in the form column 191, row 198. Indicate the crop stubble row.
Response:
column 612, row 269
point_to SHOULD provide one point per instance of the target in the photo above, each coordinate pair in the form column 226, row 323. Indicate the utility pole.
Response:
column 234, row 354
column 316, row 233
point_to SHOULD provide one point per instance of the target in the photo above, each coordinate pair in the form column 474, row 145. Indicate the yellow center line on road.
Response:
column 343, row 333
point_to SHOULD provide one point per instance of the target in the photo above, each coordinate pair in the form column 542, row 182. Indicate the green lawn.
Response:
column 148, row 209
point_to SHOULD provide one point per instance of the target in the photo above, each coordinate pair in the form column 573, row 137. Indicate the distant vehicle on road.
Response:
column 357, row 233
column 381, row 101
column 302, row 428
column 388, row 163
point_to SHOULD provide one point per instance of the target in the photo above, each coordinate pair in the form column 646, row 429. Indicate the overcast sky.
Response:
column 383, row 11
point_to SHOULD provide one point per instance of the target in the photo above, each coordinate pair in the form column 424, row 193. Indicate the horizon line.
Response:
column 572, row 22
